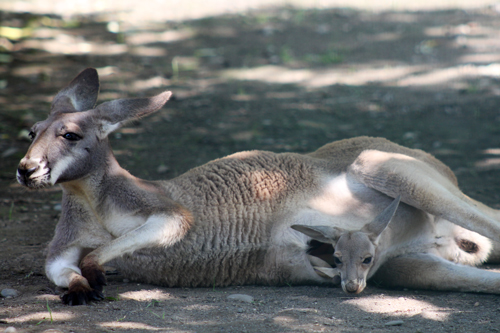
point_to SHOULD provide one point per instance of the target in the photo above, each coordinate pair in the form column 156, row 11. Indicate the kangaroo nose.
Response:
column 352, row 287
column 25, row 173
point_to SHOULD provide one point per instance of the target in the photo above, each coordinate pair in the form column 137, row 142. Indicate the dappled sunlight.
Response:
column 244, row 76
column 159, row 11
column 401, row 307
column 400, row 76
column 169, row 36
column 67, row 44
column 130, row 325
column 54, row 316
column 321, row 77
column 146, row 295
column 489, row 163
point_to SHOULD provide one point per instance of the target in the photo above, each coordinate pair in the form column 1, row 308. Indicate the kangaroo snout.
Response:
column 25, row 171
column 353, row 286
column 31, row 173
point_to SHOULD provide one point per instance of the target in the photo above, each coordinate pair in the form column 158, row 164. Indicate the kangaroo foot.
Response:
column 88, row 286
column 81, row 293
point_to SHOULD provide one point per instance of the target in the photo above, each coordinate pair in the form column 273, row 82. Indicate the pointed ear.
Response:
column 115, row 113
column 326, row 272
column 322, row 233
column 378, row 225
column 80, row 95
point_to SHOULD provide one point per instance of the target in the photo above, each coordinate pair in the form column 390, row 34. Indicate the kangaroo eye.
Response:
column 32, row 135
column 71, row 137
column 367, row 260
column 337, row 261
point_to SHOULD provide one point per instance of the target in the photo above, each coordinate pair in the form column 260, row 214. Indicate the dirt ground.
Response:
column 279, row 79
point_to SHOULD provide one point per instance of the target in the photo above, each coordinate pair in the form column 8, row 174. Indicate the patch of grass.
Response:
column 50, row 314
column 328, row 58
column 286, row 55
column 331, row 57
column 153, row 303
column 50, row 311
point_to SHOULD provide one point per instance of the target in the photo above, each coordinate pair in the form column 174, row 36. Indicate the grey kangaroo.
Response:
column 353, row 210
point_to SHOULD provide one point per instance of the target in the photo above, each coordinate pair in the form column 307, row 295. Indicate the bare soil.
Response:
column 282, row 79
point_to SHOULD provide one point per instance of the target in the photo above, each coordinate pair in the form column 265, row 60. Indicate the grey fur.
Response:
column 230, row 221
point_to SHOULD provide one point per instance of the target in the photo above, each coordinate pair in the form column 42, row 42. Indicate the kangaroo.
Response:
column 353, row 210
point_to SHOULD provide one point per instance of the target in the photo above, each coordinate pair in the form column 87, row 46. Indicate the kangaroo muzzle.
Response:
column 353, row 286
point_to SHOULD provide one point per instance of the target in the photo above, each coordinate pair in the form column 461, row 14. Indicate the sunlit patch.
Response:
column 41, row 316
column 130, row 325
column 146, row 295
column 200, row 307
column 400, row 307
column 47, row 297
column 169, row 36
column 488, row 164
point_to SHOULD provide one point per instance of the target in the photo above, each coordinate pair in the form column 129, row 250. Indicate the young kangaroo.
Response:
column 352, row 210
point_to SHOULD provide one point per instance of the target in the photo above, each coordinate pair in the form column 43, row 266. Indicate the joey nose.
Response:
column 352, row 287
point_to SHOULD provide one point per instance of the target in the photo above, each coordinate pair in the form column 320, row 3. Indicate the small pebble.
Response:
column 394, row 323
column 9, row 293
column 476, row 304
column 10, row 330
column 241, row 298
column 240, row 310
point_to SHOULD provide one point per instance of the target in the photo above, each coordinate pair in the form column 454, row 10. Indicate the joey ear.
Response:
column 326, row 272
column 79, row 95
column 114, row 114
column 322, row 233
column 378, row 225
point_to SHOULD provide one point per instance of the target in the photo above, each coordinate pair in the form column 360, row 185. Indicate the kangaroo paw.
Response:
column 94, row 273
column 81, row 293
column 86, row 287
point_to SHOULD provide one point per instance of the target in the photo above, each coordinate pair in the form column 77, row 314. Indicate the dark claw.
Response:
column 97, row 295
column 82, row 298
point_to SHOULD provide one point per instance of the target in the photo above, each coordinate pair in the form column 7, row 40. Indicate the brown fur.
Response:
column 230, row 221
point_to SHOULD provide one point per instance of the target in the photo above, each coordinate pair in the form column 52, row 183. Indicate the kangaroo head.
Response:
column 355, row 252
column 72, row 141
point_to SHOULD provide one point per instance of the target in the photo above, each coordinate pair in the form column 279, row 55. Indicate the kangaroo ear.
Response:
column 326, row 272
column 322, row 233
column 378, row 225
column 80, row 95
column 115, row 113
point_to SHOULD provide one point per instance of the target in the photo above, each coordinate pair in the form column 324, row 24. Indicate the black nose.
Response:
column 25, row 173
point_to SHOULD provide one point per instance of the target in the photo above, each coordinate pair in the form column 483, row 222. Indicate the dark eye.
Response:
column 367, row 260
column 337, row 261
column 71, row 137
column 32, row 135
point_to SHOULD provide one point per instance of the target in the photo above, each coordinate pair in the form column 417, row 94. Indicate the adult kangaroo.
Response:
column 353, row 210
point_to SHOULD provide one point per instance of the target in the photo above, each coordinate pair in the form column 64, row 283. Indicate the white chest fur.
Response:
column 119, row 223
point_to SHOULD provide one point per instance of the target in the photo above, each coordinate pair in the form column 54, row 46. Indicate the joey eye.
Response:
column 71, row 137
column 337, row 261
column 32, row 135
column 367, row 260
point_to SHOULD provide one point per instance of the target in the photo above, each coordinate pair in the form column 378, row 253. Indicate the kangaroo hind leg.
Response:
column 427, row 271
column 428, row 187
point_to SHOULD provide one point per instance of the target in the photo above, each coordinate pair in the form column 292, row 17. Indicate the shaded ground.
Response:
column 280, row 80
